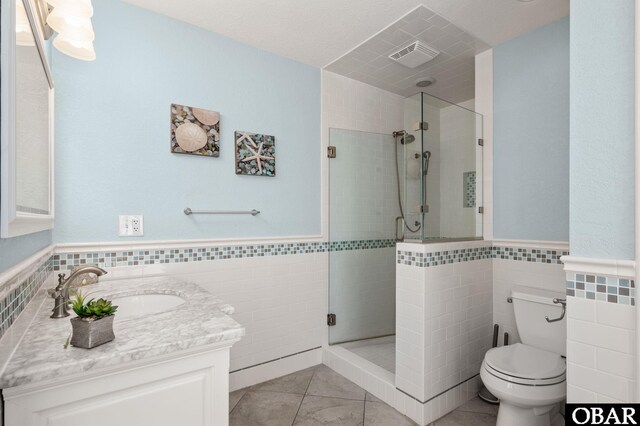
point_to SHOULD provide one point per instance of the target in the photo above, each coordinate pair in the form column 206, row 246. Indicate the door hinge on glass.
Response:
column 481, row 142
column 331, row 151
column 424, row 208
column 331, row 319
column 421, row 125
column 481, row 210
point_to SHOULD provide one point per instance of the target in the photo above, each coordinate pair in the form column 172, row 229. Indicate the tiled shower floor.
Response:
column 320, row 396
column 380, row 351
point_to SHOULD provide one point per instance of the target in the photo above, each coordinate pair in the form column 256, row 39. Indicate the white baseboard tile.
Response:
column 381, row 384
column 271, row 370
column 447, row 402
column 374, row 379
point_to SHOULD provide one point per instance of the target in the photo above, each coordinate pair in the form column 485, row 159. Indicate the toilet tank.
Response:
column 530, row 306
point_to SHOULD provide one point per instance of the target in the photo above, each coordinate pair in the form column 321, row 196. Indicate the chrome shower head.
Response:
column 407, row 139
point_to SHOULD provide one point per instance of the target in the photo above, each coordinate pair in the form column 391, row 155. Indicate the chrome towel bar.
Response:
column 253, row 212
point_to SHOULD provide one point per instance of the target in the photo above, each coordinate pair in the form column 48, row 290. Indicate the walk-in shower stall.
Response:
column 422, row 184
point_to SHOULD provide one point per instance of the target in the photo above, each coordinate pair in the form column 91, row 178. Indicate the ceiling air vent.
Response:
column 415, row 54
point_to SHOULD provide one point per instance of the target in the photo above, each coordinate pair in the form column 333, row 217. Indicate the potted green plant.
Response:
column 94, row 324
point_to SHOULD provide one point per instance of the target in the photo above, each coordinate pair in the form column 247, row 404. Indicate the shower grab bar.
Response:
column 562, row 302
column 253, row 212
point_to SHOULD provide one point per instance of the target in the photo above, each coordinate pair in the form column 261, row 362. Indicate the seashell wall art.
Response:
column 195, row 131
column 255, row 154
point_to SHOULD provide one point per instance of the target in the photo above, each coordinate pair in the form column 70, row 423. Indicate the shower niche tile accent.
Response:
column 469, row 189
column 255, row 154
column 195, row 131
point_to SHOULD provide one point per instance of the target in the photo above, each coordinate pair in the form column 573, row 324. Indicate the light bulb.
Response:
column 78, row 49
column 71, row 27
column 79, row 8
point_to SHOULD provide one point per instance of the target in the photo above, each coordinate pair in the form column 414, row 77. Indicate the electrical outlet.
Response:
column 131, row 226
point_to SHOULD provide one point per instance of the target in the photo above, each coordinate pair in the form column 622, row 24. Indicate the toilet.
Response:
column 529, row 378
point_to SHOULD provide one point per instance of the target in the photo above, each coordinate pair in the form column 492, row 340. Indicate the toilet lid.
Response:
column 520, row 361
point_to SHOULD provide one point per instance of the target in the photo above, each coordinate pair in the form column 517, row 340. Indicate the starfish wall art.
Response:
column 255, row 154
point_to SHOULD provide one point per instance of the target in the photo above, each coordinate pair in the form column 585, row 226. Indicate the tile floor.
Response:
column 380, row 351
column 320, row 396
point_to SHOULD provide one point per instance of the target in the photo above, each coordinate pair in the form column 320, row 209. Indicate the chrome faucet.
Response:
column 61, row 292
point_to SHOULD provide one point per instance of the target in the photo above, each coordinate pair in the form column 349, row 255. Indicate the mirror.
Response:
column 26, row 179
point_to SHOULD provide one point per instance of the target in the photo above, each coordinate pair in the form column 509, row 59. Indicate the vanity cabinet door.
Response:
column 189, row 390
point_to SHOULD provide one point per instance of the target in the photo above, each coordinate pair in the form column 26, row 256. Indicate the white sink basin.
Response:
column 145, row 304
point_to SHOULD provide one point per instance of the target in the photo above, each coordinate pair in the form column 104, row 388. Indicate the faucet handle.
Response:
column 53, row 293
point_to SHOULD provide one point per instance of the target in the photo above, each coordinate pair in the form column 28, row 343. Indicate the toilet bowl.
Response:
column 529, row 378
column 528, row 381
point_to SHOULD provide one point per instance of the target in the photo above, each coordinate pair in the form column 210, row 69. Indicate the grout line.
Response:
column 305, row 395
column 364, row 408
column 276, row 359
column 238, row 403
column 249, row 389
column 334, row 397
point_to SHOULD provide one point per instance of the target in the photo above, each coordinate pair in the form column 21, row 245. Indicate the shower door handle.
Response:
column 400, row 234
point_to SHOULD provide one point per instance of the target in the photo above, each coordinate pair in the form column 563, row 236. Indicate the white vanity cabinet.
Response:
column 187, row 388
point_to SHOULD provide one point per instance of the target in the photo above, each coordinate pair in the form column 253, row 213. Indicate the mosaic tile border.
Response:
column 361, row 245
column 112, row 259
column 605, row 288
column 542, row 255
column 16, row 300
column 425, row 260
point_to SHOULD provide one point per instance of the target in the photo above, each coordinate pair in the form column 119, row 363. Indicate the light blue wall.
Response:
column 531, row 135
column 15, row 250
column 112, row 130
column 602, row 129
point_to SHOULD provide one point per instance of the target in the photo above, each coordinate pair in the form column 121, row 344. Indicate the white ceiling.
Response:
column 317, row 32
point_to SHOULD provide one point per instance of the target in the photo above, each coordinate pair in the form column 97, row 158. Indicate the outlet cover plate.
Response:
column 131, row 225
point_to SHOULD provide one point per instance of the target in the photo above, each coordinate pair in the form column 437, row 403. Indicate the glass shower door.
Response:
column 362, row 212
column 443, row 180
column 453, row 173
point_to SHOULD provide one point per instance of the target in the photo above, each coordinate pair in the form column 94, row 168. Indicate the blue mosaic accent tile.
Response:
column 183, row 255
column 361, row 245
column 114, row 259
column 509, row 253
column 607, row 288
column 550, row 256
column 12, row 305
column 425, row 260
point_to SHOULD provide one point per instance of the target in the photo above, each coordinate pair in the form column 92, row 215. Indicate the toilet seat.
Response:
column 525, row 365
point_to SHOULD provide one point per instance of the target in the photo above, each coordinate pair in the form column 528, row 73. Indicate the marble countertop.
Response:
column 202, row 320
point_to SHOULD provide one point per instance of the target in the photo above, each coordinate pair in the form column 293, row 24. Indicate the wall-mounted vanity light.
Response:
column 71, row 19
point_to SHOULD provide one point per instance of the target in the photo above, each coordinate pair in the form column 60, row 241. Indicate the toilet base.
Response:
column 509, row 415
